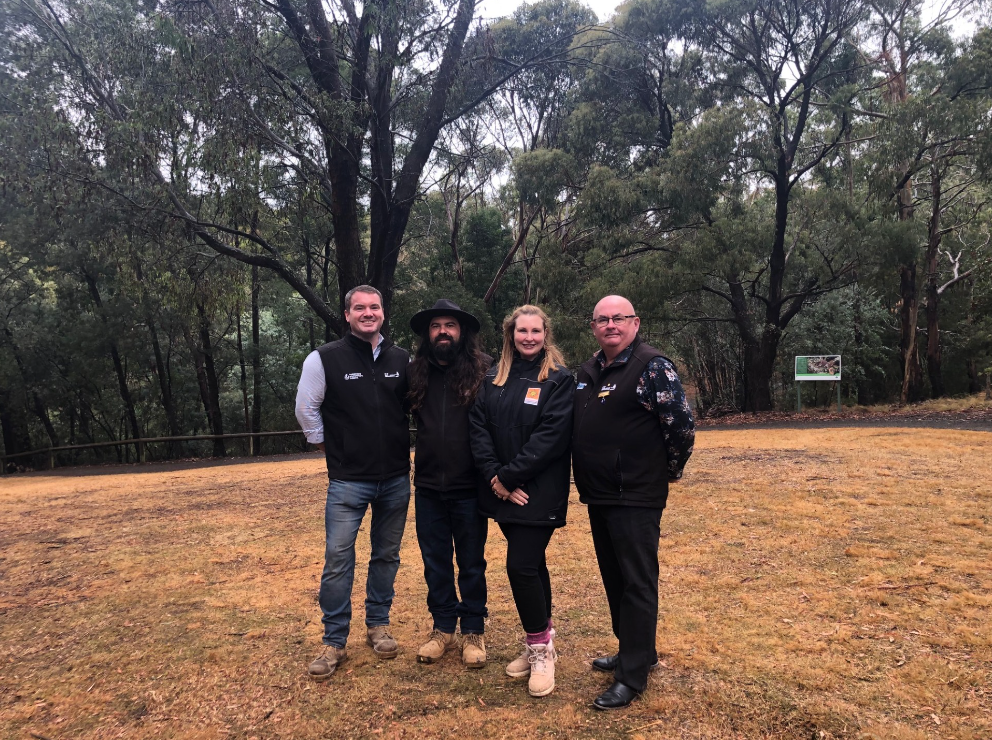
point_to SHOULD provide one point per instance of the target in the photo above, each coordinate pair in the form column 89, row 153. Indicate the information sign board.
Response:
column 818, row 367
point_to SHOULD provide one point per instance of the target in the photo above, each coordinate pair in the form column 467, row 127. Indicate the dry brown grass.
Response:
column 815, row 584
column 973, row 402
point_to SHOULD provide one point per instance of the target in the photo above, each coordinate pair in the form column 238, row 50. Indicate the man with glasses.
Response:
column 351, row 403
column 632, row 435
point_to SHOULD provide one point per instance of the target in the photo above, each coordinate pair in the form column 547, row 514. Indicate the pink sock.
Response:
column 539, row 638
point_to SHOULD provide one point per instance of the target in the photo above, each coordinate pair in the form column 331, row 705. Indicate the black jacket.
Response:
column 520, row 432
column 443, row 461
column 618, row 446
column 366, row 432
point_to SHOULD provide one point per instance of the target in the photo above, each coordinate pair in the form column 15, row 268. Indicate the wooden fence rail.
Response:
column 139, row 443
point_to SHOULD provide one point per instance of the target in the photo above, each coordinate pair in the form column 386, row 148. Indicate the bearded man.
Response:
column 444, row 379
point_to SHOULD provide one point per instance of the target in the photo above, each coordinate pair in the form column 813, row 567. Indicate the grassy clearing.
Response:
column 815, row 584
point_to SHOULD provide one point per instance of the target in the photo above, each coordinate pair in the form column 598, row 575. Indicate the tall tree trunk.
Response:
column 119, row 369
column 256, row 365
column 759, row 362
column 14, row 425
column 933, row 293
column 174, row 449
column 311, row 329
column 974, row 381
column 213, row 387
column 912, row 371
column 165, row 389
column 42, row 412
column 244, row 380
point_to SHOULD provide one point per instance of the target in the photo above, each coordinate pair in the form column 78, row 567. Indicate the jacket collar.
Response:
column 521, row 364
column 600, row 358
column 366, row 347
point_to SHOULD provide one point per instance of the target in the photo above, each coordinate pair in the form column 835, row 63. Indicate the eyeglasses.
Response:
column 603, row 321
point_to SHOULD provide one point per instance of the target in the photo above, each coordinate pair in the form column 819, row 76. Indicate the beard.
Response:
column 447, row 351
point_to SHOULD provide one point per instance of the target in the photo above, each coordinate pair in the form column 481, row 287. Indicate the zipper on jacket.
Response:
column 444, row 410
column 378, row 416
column 620, row 472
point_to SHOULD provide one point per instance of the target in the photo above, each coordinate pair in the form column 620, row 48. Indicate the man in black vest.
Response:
column 444, row 379
column 632, row 434
column 351, row 404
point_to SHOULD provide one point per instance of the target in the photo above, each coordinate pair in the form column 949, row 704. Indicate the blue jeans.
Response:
column 447, row 527
column 347, row 502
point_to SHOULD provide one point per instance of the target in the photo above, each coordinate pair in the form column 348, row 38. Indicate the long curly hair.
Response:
column 553, row 356
column 465, row 373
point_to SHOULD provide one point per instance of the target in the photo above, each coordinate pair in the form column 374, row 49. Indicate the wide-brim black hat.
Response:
column 443, row 307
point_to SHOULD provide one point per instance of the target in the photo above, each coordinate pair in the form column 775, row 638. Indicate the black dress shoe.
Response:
column 608, row 663
column 617, row 696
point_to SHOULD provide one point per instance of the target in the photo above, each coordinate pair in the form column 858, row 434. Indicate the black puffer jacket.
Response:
column 443, row 460
column 521, row 433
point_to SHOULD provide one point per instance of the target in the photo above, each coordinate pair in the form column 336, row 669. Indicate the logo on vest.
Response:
column 353, row 376
column 605, row 390
column 580, row 386
column 391, row 375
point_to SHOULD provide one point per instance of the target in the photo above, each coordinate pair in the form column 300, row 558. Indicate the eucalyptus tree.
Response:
column 234, row 103
column 528, row 117
column 929, row 121
column 733, row 110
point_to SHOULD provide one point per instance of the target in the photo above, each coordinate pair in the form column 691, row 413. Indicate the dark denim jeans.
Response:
column 347, row 502
column 447, row 527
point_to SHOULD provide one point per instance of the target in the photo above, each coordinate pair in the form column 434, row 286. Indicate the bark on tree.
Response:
column 243, row 367
column 256, row 364
column 212, row 386
column 912, row 370
column 934, row 234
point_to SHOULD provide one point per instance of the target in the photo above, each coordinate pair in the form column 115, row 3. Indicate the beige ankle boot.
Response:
column 436, row 646
column 542, row 669
column 473, row 651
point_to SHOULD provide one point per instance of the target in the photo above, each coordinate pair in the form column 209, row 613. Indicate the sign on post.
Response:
column 817, row 367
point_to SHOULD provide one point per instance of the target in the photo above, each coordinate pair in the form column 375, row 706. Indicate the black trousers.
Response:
column 527, row 570
column 626, row 541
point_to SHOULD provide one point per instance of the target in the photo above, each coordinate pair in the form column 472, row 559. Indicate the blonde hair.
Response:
column 552, row 355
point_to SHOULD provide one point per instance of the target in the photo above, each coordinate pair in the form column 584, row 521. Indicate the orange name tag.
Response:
column 533, row 394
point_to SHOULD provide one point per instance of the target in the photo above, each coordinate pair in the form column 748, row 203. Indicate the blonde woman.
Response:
column 520, row 427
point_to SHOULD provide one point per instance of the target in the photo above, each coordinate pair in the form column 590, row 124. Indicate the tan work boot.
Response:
column 382, row 642
column 437, row 644
column 542, row 669
column 473, row 651
column 326, row 663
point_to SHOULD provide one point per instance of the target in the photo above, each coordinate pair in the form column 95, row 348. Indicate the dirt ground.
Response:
column 820, row 583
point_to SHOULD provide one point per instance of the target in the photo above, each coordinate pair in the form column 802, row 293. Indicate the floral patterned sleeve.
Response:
column 660, row 392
